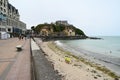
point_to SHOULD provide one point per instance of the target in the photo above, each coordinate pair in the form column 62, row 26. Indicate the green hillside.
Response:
column 57, row 28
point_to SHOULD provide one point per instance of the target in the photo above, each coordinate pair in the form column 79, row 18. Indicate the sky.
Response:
column 94, row 17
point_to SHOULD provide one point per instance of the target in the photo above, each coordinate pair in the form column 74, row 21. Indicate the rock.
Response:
column 95, row 77
column 116, row 79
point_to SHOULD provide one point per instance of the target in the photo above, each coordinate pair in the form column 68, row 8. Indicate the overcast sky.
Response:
column 94, row 17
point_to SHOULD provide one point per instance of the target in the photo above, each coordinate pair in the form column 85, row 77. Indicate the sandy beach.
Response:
column 76, row 69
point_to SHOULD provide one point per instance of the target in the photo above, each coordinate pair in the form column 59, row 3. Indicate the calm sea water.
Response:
column 107, row 46
column 106, row 50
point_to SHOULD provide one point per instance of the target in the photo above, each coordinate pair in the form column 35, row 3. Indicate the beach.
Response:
column 75, row 70
column 104, row 52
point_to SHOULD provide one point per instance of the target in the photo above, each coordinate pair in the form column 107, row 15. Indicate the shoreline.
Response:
column 110, row 62
column 90, row 63
column 79, row 68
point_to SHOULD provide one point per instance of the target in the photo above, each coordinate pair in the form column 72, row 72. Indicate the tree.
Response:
column 79, row 32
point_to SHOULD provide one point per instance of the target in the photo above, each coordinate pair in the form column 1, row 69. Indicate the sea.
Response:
column 105, row 51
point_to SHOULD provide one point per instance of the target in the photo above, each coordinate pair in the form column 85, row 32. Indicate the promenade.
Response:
column 15, row 65
column 21, row 65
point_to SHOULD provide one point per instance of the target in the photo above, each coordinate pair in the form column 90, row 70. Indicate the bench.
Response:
column 19, row 47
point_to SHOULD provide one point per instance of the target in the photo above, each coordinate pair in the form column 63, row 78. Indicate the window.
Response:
column 1, row 8
column 4, row 5
column 1, row 3
column 4, row 10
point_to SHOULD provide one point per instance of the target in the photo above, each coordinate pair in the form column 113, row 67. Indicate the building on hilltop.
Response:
column 62, row 22
column 68, row 31
column 10, row 19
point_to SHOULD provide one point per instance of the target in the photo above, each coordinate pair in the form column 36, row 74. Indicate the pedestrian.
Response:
column 22, row 36
column 25, row 37
column 19, row 37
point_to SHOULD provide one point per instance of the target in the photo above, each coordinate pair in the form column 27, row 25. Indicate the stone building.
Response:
column 46, row 31
column 10, row 19
column 62, row 22
column 69, row 31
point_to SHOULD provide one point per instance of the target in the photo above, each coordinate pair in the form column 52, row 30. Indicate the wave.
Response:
column 58, row 43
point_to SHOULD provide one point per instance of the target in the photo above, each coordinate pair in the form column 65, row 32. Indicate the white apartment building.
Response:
column 10, row 19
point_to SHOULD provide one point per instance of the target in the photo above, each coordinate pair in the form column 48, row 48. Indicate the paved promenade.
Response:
column 14, row 65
